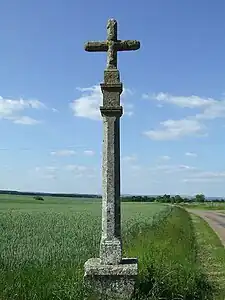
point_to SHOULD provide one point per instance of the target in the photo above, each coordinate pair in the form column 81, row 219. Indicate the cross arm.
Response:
column 127, row 45
column 96, row 46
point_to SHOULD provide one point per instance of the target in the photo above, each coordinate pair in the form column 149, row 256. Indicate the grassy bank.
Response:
column 211, row 254
column 169, row 265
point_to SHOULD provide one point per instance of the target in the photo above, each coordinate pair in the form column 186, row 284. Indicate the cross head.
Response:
column 112, row 45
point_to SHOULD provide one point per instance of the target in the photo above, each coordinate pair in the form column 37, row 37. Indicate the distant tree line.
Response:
column 170, row 199
column 5, row 192
column 162, row 199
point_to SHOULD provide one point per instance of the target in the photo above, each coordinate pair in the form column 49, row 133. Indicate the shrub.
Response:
column 38, row 198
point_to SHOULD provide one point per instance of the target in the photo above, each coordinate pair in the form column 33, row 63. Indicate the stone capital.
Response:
column 111, row 112
column 111, row 95
column 112, row 87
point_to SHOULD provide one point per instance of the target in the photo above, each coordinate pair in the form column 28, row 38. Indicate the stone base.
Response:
column 109, row 282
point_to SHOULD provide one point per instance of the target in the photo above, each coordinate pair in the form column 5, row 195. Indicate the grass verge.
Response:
column 211, row 253
column 168, row 261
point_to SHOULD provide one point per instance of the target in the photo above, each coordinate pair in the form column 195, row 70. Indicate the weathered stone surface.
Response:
column 128, row 266
column 112, row 45
column 110, row 276
column 112, row 88
column 93, row 46
column 102, row 46
column 110, row 281
column 111, row 30
column 110, row 251
column 111, row 112
column 111, row 76
column 111, row 95
column 128, row 45
column 111, row 216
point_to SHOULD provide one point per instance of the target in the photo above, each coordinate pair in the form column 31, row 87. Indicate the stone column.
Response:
column 111, row 276
column 111, row 244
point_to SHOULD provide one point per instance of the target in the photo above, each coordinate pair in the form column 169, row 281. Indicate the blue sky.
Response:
column 172, row 131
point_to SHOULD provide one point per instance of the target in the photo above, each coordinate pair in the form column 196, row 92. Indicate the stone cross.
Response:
column 112, row 45
column 111, row 271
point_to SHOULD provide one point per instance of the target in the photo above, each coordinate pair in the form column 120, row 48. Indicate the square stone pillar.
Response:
column 110, row 275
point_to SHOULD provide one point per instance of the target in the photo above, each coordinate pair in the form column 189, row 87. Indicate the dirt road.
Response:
column 216, row 219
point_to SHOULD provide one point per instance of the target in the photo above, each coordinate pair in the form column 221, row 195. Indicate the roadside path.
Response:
column 216, row 219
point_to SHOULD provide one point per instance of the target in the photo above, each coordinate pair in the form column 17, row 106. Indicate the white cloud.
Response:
column 25, row 120
column 50, row 168
column 9, row 106
column 159, row 105
column 182, row 101
column 191, row 154
column 175, row 129
column 129, row 108
column 164, row 157
column 128, row 91
column 69, row 171
column 11, row 110
column 185, row 167
column 210, row 174
column 49, row 176
column 209, row 108
column 206, row 176
column 63, row 153
column 89, row 152
column 46, row 172
column 79, row 168
column 46, row 168
column 91, row 175
column 173, row 168
column 129, row 158
column 88, row 105
column 202, row 180
column 136, row 167
column 129, row 113
column 214, row 111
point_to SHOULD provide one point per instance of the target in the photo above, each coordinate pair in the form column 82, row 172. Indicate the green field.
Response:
column 44, row 246
column 206, row 206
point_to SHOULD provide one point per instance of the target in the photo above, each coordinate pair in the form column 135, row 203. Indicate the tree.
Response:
column 200, row 198
column 178, row 199
column 166, row 198
column 38, row 198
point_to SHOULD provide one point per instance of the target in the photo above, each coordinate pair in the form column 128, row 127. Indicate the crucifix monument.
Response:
column 110, row 275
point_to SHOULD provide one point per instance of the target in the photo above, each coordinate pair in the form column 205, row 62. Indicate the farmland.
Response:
column 45, row 244
column 205, row 206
